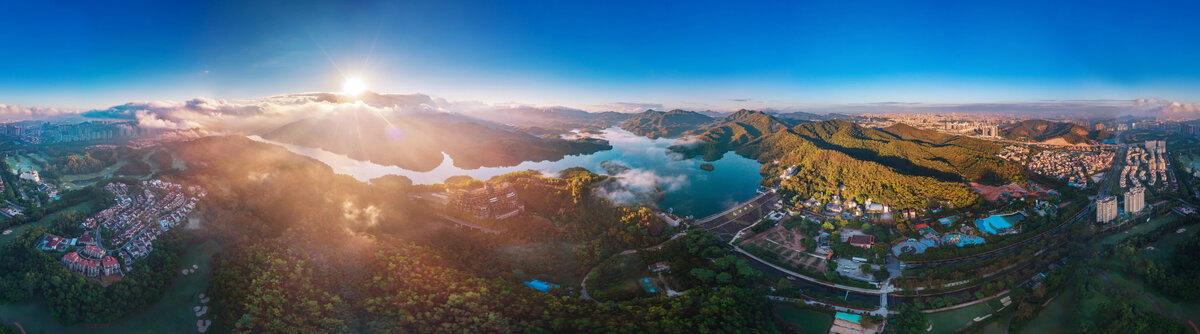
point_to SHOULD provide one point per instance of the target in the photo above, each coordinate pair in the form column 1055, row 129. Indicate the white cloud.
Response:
column 12, row 112
column 637, row 186
column 1167, row 108
column 627, row 107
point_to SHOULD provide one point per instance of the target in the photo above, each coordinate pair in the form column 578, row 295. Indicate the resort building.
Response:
column 497, row 202
column 1106, row 209
column 862, row 240
column 1135, row 200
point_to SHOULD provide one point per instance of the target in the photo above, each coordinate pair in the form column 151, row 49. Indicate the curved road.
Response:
column 583, row 284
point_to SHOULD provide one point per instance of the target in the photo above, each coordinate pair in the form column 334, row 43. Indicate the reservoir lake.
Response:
column 688, row 190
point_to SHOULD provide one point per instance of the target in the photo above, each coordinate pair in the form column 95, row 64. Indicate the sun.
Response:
column 353, row 86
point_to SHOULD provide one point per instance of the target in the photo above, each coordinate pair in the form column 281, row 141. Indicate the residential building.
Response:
column 1106, row 209
column 1135, row 200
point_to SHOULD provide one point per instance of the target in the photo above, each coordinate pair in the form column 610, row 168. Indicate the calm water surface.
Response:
column 689, row 190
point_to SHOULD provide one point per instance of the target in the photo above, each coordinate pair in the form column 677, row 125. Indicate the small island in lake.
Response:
column 707, row 166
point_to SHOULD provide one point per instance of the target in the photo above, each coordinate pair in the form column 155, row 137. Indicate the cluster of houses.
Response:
column 92, row 261
column 1014, row 153
column 1072, row 165
column 1149, row 165
column 847, row 208
column 135, row 221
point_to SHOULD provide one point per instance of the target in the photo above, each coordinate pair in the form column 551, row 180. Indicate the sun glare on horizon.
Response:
column 353, row 86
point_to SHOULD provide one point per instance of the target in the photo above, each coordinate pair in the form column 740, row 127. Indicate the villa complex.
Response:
column 128, row 228
column 498, row 202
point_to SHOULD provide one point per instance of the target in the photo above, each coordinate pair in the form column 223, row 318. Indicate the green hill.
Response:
column 915, row 151
column 1038, row 130
column 672, row 123
column 416, row 141
column 729, row 133
column 899, row 164
column 555, row 120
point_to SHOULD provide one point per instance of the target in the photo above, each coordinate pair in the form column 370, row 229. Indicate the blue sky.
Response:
column 700, row 55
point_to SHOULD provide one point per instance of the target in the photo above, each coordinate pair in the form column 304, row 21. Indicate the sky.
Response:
column 694, row 54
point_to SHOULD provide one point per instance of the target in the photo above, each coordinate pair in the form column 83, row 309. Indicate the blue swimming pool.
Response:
column 995, row 224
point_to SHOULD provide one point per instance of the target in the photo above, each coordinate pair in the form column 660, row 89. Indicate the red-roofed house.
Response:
column 111, row 266
column 53, row 243
column 862, row 240
column 93, row 252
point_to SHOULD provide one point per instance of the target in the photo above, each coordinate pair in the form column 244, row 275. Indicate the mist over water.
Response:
column 688, row 190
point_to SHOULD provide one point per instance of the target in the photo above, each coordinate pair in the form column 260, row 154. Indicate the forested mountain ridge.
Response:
column 417, row 141
column 655, row 124
column 1043, row 131
column 914, row 151
column 712, row 140
column 899, row 164
column 553, row 120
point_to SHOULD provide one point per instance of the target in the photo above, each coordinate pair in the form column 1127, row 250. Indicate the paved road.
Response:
column 817, row 302
column 583, row 284
column 810, row 279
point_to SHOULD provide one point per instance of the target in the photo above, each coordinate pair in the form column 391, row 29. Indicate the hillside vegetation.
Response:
column 553, row 120
column 655, row 124
column 1038, row 130
column 899, row 164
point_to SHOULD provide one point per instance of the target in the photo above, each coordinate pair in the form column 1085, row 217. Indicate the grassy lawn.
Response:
column 172, row 314
column 1168, row 242
column 45, row 221
column 1141, row 227
column 953, row 320
column 21, row 162
column 805, row 319
column 1052, row 318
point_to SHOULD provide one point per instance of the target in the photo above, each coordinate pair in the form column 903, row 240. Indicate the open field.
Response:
column 1141, row 227
column 806, row 320
column 1166, row 244
column 787, row 243
column 23, row 162
column 953, row 320
column 45, row 221
column 1052, row 318
column 172, row 314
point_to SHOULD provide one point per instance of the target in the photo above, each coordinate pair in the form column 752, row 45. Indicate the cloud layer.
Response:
column 264, row 114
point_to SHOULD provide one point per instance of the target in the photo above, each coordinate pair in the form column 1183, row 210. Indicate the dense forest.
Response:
column 27, row 273
column 1037, row 130
column 294, row 264
column 670, row 124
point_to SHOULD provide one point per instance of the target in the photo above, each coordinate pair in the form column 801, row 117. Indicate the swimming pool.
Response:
column 995, row 224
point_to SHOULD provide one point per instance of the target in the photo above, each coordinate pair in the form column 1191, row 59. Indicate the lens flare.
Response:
column 354, row 86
